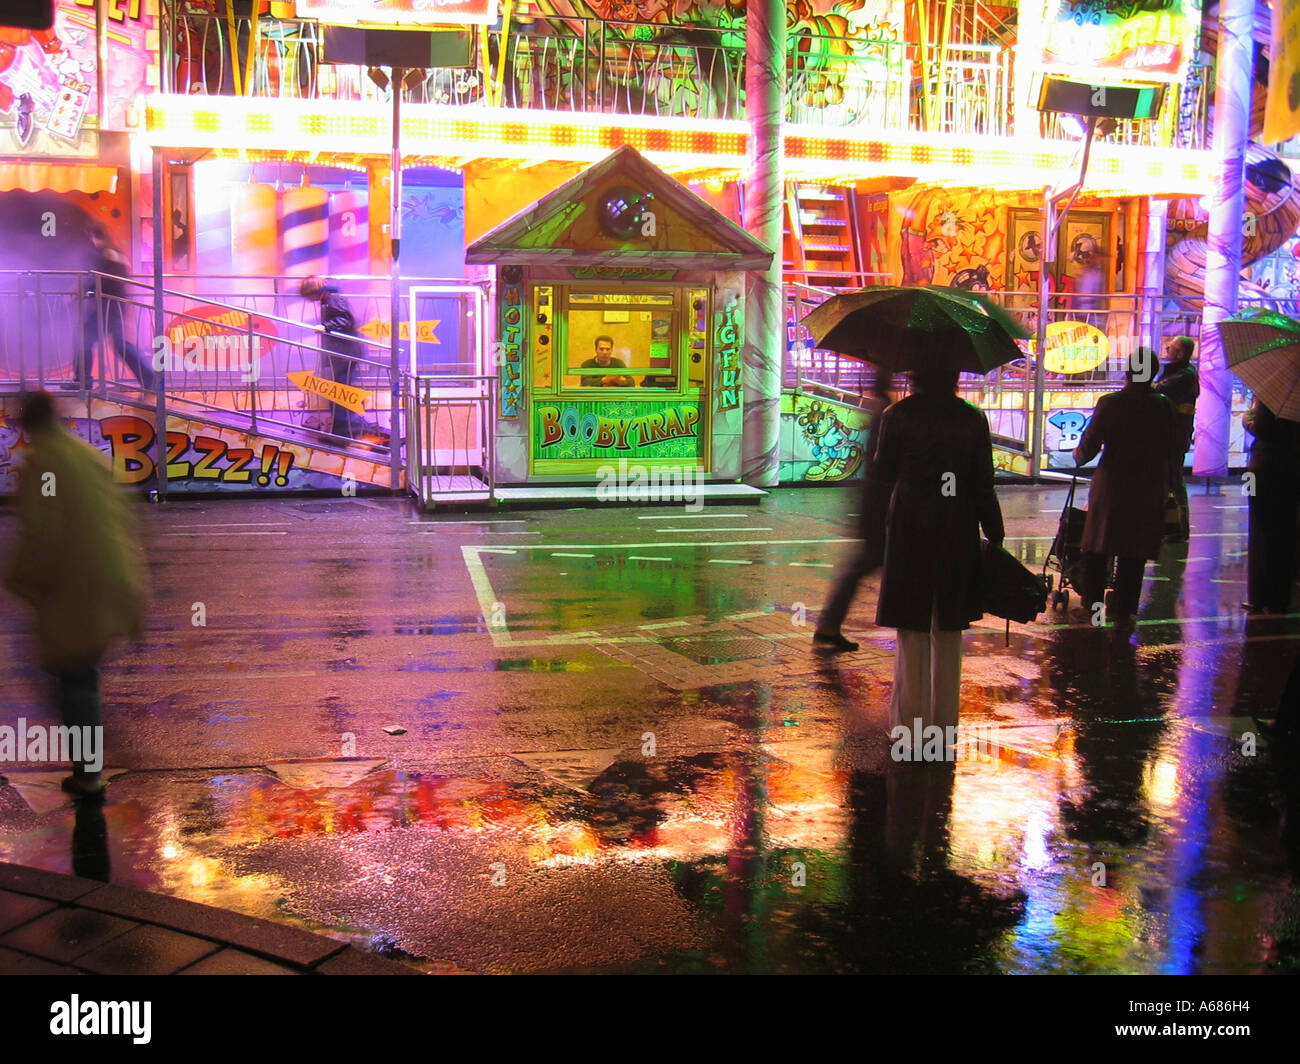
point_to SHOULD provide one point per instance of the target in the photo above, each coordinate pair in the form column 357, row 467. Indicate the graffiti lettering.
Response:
column 211, row 450
column 510, row 346
column 728, row 348
column 177, row 444
column 129, row 439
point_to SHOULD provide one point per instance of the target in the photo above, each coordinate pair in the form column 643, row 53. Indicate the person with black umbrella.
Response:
column 937, row 450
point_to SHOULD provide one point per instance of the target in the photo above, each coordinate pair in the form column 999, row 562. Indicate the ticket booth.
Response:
column 619, row 303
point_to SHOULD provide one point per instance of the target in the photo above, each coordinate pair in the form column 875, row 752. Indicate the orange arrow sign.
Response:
column 343, row 394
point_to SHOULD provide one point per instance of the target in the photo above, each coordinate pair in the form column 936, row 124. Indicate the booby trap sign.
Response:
column 568, row 431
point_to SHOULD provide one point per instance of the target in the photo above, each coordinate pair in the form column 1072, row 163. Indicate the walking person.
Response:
column 1179, row 384
column 873, row 508
column 108, row 321
column 936, row 449
column 1274, row 502
column 342, row 349
column 1135, row 431
column 75, row 565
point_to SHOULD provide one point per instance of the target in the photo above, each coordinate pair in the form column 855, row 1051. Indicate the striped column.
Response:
column 255, row 231
column 349, row 221
column 304, row 231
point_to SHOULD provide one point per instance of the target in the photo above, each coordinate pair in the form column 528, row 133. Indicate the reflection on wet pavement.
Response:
column 400, row 759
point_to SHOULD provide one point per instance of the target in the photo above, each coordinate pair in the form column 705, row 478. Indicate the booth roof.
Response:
column 514, row 241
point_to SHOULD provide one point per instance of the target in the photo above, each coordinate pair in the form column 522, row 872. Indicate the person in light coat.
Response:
column 76, row 565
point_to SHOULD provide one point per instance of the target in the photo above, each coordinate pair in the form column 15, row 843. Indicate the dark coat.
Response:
column 1142, row 445
column 339, row 323
column 1180, row 384
column 932, row 549
column 1276, row 446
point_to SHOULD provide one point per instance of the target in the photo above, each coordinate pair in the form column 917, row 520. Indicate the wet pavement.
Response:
column 599, row 740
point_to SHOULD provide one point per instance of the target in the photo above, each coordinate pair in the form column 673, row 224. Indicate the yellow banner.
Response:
column 424, row 330
column 343, row 394
column 1282, row 111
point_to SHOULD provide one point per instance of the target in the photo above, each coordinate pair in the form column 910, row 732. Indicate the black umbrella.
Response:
column 924, row 328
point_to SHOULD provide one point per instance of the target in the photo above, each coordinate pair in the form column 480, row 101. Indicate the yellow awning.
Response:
column 57, row 177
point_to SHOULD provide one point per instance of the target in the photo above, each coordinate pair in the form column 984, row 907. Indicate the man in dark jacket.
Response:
column 1274, row 501
column 340, row 340
column 1179, row 384
column 873, row 506
column 1137, row 435
column 936, row 449
column 109, row 262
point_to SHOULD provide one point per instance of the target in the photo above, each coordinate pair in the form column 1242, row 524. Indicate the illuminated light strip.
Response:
column 433, row 130
column 441, row 131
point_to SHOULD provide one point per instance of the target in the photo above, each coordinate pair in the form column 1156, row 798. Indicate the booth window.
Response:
column 632, row 342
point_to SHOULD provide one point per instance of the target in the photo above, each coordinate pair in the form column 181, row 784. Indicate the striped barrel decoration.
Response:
column 304, row 231
column 349, row 233
column 255, row 229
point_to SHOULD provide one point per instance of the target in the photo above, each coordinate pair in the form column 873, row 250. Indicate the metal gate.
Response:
column 448, row 395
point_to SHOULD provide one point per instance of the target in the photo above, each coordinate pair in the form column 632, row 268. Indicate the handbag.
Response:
column 1008, row 589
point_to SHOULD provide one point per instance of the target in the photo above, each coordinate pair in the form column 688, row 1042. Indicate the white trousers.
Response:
column 927, row 677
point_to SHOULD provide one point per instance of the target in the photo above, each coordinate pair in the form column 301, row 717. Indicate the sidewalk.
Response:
column 54, row 924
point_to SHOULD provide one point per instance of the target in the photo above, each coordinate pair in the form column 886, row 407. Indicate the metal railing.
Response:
column 1006, row 394
column 450, row 438
column 62, row 330
column 867, row 79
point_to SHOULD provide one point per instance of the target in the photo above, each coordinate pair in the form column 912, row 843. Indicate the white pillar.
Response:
column 1232, row 99
column 764, row 303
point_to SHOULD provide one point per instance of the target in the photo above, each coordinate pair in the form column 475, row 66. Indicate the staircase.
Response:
column 223, row 433
column 821, row 240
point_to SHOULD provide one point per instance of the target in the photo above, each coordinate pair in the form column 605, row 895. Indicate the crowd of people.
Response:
column 928, row 492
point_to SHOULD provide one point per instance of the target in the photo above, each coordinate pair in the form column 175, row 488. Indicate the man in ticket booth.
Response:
column 605, row 360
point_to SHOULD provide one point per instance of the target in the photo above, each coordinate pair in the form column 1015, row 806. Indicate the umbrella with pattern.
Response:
column 1263, row 349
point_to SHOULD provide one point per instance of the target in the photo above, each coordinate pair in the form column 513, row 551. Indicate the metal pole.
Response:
column 160, row 379
column 1051, row 224
column 394, row 277
column 1226, row 236
column 1046, row 256
column 764, row 304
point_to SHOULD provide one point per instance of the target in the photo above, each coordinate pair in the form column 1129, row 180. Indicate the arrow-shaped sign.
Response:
column 343, row 394
column 424, row 330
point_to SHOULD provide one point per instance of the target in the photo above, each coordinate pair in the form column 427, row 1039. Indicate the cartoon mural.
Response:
column 49, row 86
column 821, row 440
column 841, row 55
column 949, row 237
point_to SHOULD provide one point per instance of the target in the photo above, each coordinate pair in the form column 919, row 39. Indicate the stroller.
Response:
column 1066, row 555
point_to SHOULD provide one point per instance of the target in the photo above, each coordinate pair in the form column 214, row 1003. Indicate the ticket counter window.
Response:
column 631, row 343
